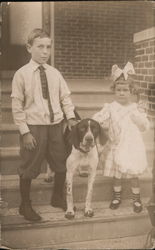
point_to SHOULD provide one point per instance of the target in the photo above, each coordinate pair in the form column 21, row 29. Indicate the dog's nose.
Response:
column 89, row 139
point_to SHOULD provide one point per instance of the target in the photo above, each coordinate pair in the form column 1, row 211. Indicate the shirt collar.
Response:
column 34, row 65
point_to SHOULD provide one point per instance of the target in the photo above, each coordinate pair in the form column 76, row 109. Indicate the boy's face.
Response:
column 122, row 93
column 40, row 50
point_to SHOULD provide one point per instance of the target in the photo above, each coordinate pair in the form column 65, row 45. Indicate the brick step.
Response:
column 54, row 230
column 41, row 191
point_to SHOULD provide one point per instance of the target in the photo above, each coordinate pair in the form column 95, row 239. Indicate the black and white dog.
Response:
column 83, row 139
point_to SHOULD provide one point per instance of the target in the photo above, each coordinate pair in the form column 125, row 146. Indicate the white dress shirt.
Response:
column 28, row 104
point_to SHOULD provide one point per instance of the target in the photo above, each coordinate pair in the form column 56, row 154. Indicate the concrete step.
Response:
column 73, row 84
column 84, row 109
column 6, row 114
column 41, row 191
column 129, row 242
column 9, row 150
column 10, row 160
column 83, row 90
column 9, row 135
column 93, row 96
column 54, row 230
column 6, row 78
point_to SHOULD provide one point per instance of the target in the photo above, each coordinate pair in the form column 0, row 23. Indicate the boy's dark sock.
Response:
column 25, row 208
column 25, row 186
column 58, row 197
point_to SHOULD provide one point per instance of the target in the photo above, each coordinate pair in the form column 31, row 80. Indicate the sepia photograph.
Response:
column 77, row 125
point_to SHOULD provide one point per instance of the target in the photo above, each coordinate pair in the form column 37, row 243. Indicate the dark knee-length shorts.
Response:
column 50, row 146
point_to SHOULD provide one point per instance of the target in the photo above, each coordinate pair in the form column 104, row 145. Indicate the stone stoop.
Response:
column 9, row 150
column 55, row 230
column 41, row 191
column 129, row 242
column 88, row 97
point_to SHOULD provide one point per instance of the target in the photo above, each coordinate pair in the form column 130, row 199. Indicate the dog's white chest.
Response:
column 84, row 159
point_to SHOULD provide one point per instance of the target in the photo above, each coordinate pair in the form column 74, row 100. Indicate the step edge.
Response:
column 81, row 92
column 8, row 127
column 14, row 151
column 53, row 224
column 81, row 105
column 71, row 245
column 78, row 181
column 9, row 152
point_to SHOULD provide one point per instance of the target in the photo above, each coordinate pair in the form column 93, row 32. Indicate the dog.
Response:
column 84, row 138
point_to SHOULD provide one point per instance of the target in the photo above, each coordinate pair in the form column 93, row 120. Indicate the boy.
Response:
column 40, row 97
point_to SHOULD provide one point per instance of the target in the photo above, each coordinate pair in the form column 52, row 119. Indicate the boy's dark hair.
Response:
column 36, row 33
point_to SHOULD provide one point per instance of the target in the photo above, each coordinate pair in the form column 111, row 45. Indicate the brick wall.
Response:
column 91, row 36
column 145, row 67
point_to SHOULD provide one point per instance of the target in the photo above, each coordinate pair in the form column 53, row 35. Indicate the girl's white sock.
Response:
column 135, row 190
column 117, row 188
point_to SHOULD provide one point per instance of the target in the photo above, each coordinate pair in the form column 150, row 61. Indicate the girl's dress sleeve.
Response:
column 103, row 116
column 139, row 117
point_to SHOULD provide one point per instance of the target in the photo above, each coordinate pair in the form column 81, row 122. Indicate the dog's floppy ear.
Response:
column 74, row 137
column 103, row 136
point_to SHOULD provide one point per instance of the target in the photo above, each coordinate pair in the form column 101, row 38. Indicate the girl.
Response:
column 126, row 155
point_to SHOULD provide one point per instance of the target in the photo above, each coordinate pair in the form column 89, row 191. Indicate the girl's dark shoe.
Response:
column 27, row 211
column 116, row 201
column 137, row 204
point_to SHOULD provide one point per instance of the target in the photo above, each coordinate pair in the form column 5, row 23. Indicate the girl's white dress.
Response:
column 124, row 153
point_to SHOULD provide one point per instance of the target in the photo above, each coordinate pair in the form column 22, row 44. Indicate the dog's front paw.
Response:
column 89, row 213
column 69, row 215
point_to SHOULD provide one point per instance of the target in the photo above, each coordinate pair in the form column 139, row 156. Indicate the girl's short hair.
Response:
column 36, row 33
column 129, row 81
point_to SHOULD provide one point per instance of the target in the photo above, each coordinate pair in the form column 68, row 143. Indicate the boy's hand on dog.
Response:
column 29, row 141
column 71, row 122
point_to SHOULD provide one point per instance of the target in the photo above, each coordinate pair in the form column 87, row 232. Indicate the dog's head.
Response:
column 86, row 132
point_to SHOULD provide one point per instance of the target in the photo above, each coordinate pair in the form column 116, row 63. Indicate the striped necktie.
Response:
column 45, row 90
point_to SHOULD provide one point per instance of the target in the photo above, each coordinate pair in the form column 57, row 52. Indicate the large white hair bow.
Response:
column 116, row 72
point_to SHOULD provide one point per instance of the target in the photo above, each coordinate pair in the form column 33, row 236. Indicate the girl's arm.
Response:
column 139, row 117
column 103, row 116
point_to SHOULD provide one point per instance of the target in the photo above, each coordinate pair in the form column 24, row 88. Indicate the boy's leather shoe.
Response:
column 58, row 201
column 27, row 211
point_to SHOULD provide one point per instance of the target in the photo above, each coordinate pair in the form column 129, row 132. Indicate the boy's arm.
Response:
column 18, row 103
column 66, row 102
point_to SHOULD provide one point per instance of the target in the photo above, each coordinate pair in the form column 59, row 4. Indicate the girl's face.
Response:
column 122, row 93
